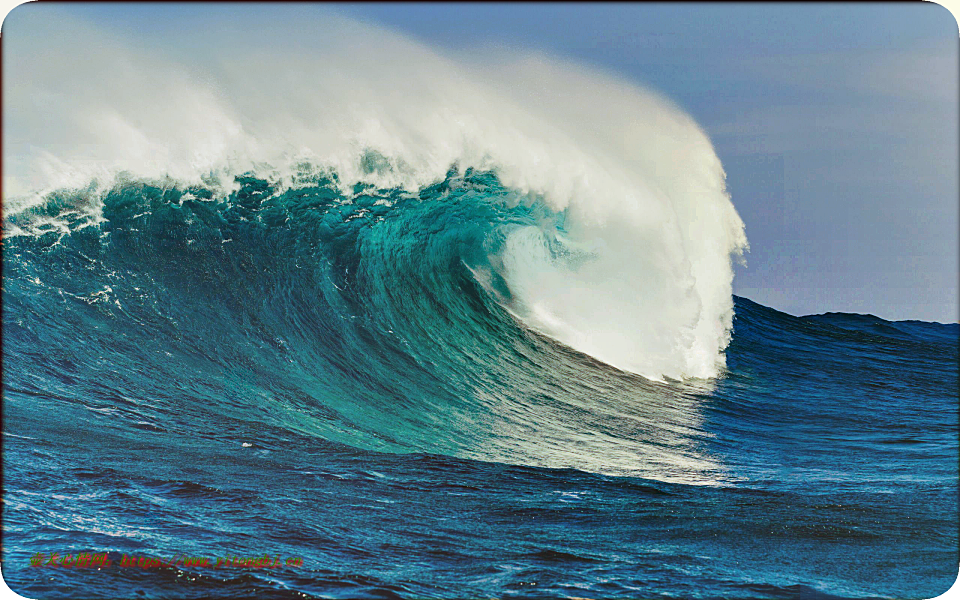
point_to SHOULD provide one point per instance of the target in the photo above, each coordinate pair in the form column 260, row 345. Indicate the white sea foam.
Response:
column 642, row 185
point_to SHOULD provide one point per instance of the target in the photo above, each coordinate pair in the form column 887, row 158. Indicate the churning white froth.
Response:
column 655, row 231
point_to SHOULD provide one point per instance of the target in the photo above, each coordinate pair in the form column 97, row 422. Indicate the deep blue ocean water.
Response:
column 302, row 373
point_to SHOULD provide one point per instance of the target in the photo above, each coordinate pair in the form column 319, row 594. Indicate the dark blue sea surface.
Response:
column 301, row 372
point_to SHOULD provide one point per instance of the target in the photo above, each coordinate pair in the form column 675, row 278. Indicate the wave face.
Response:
column 434, row 335
column 394, row 321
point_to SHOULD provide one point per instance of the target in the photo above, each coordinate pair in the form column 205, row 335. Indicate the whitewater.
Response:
column 433, row 323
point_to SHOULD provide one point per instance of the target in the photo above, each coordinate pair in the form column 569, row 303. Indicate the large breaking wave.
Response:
column 624, row 248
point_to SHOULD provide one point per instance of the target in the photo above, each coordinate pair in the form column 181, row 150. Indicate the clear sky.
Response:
column 836, row 124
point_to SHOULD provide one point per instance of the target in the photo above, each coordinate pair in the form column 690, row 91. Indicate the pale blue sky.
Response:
column 836, row 123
